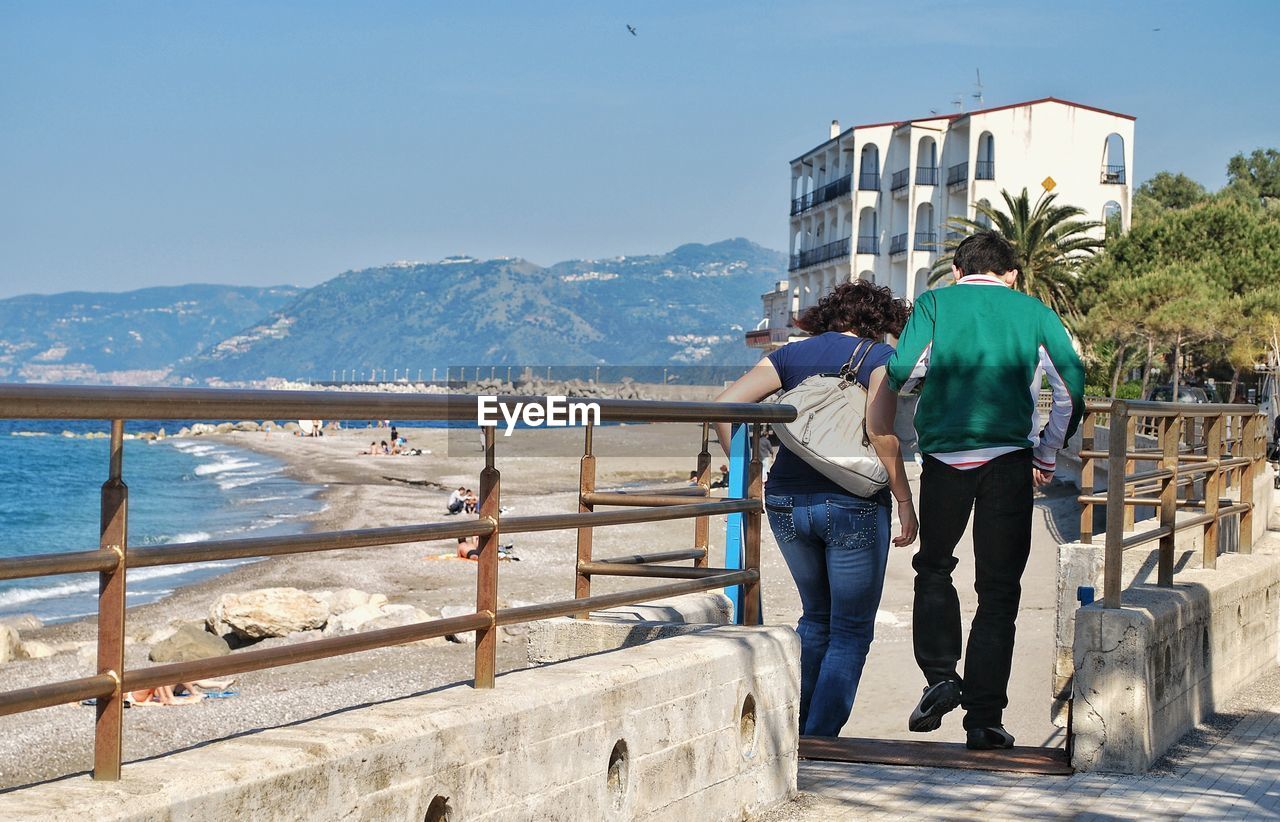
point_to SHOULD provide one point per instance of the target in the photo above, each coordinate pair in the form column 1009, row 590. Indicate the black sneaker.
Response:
column 986, row 739
column 937, row 701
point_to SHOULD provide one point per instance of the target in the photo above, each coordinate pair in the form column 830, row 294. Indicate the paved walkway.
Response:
column 1228, row 768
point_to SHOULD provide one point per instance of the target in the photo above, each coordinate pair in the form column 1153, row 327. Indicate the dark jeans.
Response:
column 1000, row 496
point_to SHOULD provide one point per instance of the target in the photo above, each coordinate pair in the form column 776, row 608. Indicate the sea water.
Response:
column 180, row 490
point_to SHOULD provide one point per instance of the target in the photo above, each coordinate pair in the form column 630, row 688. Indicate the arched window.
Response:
column 926, row 233
column 1112, row 219
column 869, row 168
column 868, row 276
column 927, row 162
column 979, row 217
column 986, row 168
column 868, row 232
column 1113, row 160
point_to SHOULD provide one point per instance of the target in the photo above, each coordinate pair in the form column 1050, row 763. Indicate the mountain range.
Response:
column 685, row 308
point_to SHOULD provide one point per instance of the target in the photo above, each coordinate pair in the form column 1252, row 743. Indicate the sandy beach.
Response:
column 539, row 476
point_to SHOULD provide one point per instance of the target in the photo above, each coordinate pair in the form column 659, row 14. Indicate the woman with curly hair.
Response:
column 835, row 544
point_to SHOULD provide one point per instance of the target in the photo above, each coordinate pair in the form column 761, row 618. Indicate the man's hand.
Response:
column 1040, row 477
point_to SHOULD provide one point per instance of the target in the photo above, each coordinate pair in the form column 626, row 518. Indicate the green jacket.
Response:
column 977, row 352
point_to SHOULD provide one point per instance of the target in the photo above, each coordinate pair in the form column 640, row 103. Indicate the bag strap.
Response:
column 850, row 369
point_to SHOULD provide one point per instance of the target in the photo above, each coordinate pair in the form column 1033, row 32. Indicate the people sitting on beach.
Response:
column 693, row 477
column 457, row 501
column 472, row 502
column 371, row 450
column 723, row 481
column 384, row 449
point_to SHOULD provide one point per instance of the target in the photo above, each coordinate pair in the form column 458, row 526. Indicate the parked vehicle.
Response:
column 1186, row 393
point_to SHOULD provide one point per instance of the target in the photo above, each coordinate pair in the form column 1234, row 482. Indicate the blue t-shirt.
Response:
column 795, row 362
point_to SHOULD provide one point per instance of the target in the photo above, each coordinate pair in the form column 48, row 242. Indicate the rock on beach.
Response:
column 267, row 612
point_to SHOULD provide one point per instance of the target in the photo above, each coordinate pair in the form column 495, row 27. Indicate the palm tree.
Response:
column 1050, row 240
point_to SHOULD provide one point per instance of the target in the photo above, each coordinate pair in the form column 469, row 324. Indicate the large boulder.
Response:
column 187, row 643
column 204, row 428
column 346, row 599
column 267, row 612
column 394, row 616
column 247, row 425
column 33, row 649
column 450, row 611
column 23, row 622
column 353, row 620
column 10, row 643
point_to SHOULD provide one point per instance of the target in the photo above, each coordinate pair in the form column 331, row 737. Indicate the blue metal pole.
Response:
column 739, row 457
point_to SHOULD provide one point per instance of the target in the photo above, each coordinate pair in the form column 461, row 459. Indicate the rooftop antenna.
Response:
column 958, row 102
column 977, row 94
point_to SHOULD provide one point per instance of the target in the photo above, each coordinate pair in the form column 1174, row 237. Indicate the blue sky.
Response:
column 274, row 142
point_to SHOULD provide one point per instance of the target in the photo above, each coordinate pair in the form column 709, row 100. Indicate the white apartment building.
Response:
column 873, row 201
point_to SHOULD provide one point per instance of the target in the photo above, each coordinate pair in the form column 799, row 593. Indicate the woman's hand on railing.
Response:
column 908, row 525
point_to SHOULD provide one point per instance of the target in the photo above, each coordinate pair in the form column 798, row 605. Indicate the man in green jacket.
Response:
column 978, row 352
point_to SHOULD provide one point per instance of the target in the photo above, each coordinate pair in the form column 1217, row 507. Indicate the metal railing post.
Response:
column 487, row 567
column 1087, row 426
column 1170, row 431
column 752, row 610
column 1113, row 557
column 114, row 536
column 1212, row 490
column 586, row 485
column 1130, row 444
column 1252, row 434
column 702, row 525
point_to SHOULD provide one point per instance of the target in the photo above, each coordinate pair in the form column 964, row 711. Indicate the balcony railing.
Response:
column 1113, row 174
column 954, row 236
column 984, row 170
column 813, row 256
column 958, row 175
column 927, row 176
column 824, row 194
column 112, row 681
column 868, row 245
column 898, row 244
column 900, row 180
column 869, row 181
column 926, row 241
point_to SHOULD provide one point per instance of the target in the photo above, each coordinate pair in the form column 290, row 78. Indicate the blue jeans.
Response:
column 837, row 547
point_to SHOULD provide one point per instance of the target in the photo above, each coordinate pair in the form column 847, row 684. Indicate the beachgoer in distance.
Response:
column 979, row 348
column 693, row 477
column 835, row 544
column 457, row 501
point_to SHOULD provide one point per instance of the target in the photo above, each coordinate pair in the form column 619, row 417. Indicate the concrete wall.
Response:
column 1146, row 673
column 702, row 726
column 1082, row 565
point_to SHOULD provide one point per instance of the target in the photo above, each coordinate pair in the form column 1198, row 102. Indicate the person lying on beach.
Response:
column 469, row 547
column 371, row 450
column 168, row 694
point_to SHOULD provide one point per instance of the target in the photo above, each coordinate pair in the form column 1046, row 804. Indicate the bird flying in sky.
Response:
column 632, row 29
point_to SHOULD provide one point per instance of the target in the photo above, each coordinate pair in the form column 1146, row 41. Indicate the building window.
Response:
column 1113, row 170
column 1112, row 219
column 869, row 168
column 986, row 166
column 980, row 217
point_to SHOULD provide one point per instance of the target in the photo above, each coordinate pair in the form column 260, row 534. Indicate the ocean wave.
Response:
column 28, row 433
column 224, row 465
column 241, row 480
column 22, row 596
column 191, row 536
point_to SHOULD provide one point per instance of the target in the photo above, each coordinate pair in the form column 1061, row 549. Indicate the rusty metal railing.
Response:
column 1207, row 458
column 113, row 556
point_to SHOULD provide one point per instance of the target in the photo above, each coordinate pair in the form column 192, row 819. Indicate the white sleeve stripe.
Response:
column 918, row 370
column 1055, row 428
